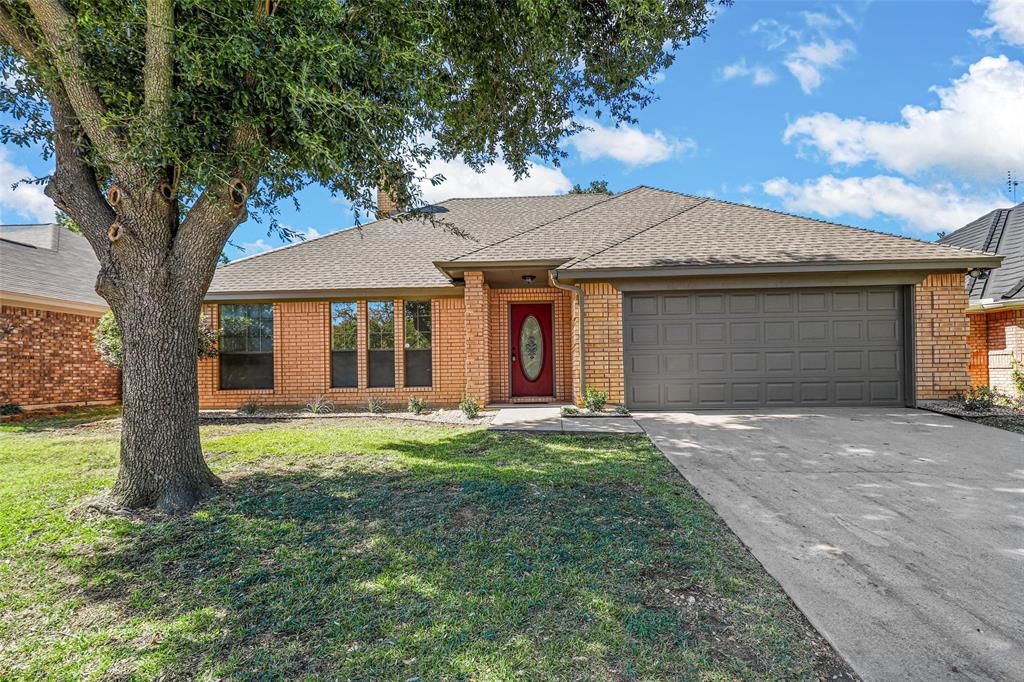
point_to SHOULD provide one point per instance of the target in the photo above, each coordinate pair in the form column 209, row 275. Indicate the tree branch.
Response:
column 158, row 73
column 57, row 25
column 14, row 36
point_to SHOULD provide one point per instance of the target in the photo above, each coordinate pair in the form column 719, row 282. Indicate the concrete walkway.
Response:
column 546, row 419
column 900, row 533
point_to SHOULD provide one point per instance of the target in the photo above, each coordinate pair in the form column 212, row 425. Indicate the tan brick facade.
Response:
column 47, row 359
column 996, row 339
column 475, row 327
column 942, row 327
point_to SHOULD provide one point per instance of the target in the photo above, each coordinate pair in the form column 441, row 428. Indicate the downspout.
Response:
column 553, row 276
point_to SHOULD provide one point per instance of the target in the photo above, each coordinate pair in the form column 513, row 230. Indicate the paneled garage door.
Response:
column 771, row 347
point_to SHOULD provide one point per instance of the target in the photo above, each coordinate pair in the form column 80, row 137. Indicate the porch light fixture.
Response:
column 977, row 273
column 529, row 278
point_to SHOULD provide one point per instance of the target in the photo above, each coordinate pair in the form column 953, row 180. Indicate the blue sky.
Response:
column 899, row 116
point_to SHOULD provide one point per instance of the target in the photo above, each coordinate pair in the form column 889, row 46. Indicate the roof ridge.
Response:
column 553, row 220
column 701, row 202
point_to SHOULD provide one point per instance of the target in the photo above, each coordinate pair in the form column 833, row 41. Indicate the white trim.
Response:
column 20, row 300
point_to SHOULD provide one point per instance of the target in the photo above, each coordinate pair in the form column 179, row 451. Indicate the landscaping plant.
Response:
column 171, row 123
column 978, row 398
column 595, row 400
column 319, row 405
column 375, row 406
column 109, row 344
column 470, row 407
column 249, row 408
column 417, row 404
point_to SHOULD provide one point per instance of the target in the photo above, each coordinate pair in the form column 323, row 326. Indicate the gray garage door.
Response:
column 772, row 347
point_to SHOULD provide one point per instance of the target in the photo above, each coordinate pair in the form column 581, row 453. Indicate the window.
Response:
column 247, row 346
column 418, row 362
column 380, row 332
column 344, row 332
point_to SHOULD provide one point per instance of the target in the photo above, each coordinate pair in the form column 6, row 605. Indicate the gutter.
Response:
column 553, row 276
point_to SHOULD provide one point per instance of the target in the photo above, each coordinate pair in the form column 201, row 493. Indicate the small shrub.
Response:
column 319, row 405
column 470, row 407
column 417, row 404
column 249, row 408
column 595, row 400
column 374, row 405
column 1017, row 378
column 570, row 410
column 622, row 409
column 978, row 398
column 9, row 409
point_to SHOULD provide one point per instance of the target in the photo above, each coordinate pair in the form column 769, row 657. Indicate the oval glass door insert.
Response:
column 531, row 348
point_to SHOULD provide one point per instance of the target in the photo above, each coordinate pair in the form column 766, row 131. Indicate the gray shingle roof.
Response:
column 49, row 261
column 1000, row 231
column 640, row 228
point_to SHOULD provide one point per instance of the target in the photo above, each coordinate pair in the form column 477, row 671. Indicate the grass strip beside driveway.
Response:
column 376, row 551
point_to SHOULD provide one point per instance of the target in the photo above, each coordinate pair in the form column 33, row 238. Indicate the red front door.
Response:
column 532, row 369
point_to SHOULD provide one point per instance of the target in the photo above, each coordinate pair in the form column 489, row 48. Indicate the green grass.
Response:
column 374, row 551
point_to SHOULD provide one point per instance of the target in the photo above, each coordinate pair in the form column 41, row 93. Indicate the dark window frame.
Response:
column 344, row 344
column 246, row 353
column 380, row 344
column 418, row 332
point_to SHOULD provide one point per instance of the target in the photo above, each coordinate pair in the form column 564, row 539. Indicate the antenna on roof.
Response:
column 1011, row 185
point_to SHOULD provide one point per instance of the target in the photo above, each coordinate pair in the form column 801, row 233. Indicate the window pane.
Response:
column 418, row 368
column 247, row 346
column 344, row 327
column 382, row 367
column 380, row 325
column 343, row 369
column 417, row 325
column 246, row 370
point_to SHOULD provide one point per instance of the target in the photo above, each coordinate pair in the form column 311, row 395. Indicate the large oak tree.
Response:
column 172, row 121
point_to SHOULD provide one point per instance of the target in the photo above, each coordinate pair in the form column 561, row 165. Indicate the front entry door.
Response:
column 532, row 369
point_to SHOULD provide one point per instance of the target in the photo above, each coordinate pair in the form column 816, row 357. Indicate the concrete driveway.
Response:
column 900, row 533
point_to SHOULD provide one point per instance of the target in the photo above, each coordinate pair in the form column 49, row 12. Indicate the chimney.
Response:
column 386, row 206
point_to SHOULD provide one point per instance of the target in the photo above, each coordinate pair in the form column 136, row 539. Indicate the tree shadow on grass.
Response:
column 480, row 556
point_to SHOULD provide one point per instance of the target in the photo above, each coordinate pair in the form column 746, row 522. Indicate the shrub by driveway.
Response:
column 387, row 551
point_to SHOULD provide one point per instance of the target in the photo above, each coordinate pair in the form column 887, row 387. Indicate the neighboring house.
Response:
column 48, row 311
column 996, row 308
column 673, row 301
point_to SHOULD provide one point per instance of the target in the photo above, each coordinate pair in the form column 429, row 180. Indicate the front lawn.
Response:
column 373, row 551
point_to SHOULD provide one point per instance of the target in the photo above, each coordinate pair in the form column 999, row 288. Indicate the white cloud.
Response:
column 808, row 61
column 976, row 129
column 924, row 210
column 758, row 75
column 628, row 145
column 310, row 233
column 25, row 201
column 495, row 181
column 258, row 246
column 1007, row 17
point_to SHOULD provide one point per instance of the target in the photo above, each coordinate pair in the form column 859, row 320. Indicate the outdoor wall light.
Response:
column 529, row 278
column 978, row 273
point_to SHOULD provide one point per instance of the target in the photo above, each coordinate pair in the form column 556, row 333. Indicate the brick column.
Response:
column 477, row 335
column 977, row 342
column 603, row 342
column 362, row 365
column 399, row 343
column 942, row 328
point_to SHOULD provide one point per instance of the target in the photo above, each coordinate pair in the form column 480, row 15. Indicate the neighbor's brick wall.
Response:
column 977, row 343
column 500, row 300
column 302, row 359
column 942, row 328
column 603, row 340
column 47, row 358
column 1004, row 333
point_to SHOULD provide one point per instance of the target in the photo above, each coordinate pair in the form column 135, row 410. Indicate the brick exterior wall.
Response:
column 47, row 359
column 602, row 308
column 997, row 337
column 942, row 328
column 476, row 300
column 500, row 370
column 302, row 360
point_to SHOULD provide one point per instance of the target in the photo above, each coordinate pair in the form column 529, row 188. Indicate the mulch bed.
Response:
column 1005, row 418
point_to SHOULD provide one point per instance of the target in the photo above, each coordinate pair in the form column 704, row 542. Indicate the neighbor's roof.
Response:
column 642, row 228
column 48, row 262
column 1000, row 231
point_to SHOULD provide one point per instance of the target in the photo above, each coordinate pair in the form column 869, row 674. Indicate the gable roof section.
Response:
column 389, row 254
column 48, row 262
column 715, row 232
column 1000, row 231
column 643, row 228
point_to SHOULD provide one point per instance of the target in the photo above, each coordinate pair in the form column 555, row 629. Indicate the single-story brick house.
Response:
column 996, row 307
column 48, row 311
column 664, row 300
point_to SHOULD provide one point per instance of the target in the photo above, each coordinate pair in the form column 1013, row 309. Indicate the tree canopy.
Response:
column 595, row 187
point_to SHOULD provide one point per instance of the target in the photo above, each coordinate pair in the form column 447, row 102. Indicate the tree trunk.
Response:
column 162, row 461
